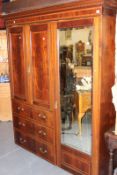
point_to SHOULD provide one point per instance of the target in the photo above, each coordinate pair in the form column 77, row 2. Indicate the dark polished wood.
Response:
column 45, row 150
column 16, row 45
column 40, row 65
column 34, row 70
column 21, row 108
column 37, row 138
column 43, row 117
column 24, row 141
column 33, row 129
column 75, row 23
column 42, row 86
column 19, row 6
column 77, row 13
column 107, row 112
column 44, row 133
column 24, row 125
column 2, row 24
column 111, row 141
column 75, row 161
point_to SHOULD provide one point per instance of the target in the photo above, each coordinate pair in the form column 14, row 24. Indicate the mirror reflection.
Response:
column 75, row 54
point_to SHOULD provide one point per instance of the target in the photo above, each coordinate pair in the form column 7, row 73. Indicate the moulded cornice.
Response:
column 33, row 6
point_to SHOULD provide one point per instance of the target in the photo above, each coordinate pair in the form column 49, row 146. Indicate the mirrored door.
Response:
column 76, row 63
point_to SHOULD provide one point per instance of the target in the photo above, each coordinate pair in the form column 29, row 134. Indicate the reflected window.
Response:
column 76, row 60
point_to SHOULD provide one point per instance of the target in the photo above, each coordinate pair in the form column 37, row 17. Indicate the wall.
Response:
column 76, row 35
column 3, row 53
column 72, row 37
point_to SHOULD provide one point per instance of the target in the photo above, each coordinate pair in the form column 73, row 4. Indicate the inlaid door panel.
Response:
column 41, row 65
column 17, row 60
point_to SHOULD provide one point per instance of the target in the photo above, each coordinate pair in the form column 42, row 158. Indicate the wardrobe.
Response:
column 62, row 62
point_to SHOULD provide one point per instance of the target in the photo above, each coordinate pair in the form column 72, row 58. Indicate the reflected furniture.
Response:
column 84, row 100
column 111, row 141
column 87, row 60
column 67, row 92
column 32, row 30
column 80, row 50
column 82, row 71
column 67, row 108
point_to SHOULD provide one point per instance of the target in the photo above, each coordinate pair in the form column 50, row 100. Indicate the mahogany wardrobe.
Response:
column 62, row 63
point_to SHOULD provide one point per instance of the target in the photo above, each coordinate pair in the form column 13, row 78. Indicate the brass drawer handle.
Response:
column 41, row 132
column 21, row 124
column 42, row 116
column 22, row 109
column 22, row 140
column 43, row 151
column 44, row 133
column 18, row 108
column 39, row 115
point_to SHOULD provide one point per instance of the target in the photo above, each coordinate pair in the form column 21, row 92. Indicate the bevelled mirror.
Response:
column 76, row 63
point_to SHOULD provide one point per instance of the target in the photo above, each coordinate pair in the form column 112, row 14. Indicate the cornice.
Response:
column 33, row 7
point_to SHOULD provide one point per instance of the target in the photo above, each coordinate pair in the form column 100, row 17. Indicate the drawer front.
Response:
column 44, row 133
column 23, row 125
column 76, row 164
column 21, row 109
column 46, row 151
column 44, row 118
column 24, row 141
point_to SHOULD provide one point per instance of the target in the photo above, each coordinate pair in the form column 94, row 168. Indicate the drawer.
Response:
column 23, row 125
column 21, row 109
column 46, row 151
column 43, row 118
column 24, row 141
column 75, row 160
column 44, row 133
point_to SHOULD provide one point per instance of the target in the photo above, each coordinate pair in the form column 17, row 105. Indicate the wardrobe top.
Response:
column 21, row 5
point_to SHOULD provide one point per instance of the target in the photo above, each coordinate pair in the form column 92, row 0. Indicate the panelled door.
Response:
column 42, row 66
column 18, row 63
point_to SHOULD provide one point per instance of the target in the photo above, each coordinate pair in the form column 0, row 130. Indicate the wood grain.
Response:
column 40, row 64
column 21, row 6
column 38, row 89
column 18, row 63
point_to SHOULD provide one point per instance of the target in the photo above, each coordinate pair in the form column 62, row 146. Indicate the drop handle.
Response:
column 21, row 124
column 42, row 116
column 22, row 109
column 42, row 150
column 41, row 132
column 18, row 108
column 22, row 140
